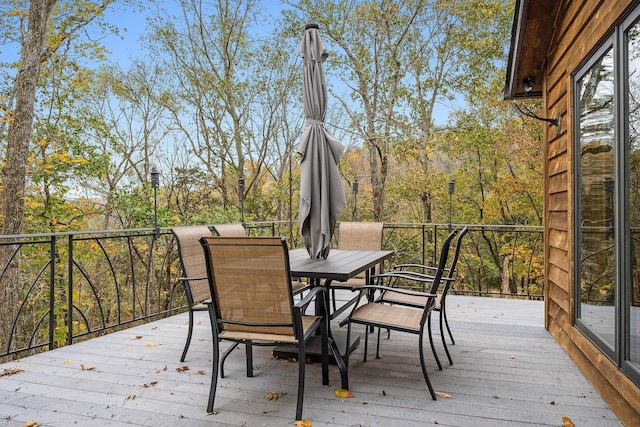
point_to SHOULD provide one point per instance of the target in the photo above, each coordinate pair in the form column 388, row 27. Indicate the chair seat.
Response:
column 351, row 283
column 416, row 301
column 299, row 286
column 388, row 316
column 308, row 323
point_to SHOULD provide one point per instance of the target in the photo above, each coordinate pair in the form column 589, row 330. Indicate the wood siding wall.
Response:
column 579, row 29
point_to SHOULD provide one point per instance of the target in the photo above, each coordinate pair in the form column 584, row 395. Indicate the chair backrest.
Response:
column 230, row 230
column 360, row 235
column 365, row 236
column 456, row 254
column 192, row 259
column 250, row 284
column 442, row 262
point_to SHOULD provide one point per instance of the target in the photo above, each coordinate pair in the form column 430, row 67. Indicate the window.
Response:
column 607, row 197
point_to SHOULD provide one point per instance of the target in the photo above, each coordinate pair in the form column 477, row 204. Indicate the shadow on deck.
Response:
column 507, row 371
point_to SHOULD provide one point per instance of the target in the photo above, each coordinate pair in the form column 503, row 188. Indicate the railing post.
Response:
column 52, row 292
column 424, row 246
column 70, row 294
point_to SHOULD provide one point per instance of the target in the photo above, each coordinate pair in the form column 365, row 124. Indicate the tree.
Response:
column 39, row 44
column 399, row 59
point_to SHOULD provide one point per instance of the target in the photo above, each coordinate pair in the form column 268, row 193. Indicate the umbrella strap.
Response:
column 314, row 122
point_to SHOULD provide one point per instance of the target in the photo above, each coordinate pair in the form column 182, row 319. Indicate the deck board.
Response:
column 507, row 371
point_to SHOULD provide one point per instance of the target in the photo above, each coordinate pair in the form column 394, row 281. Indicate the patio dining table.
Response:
column 339, row 266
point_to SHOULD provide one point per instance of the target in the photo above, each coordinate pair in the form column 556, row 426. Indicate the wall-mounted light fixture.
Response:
column 528, row 85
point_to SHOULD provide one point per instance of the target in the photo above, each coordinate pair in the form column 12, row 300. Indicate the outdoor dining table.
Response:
column 339, row 266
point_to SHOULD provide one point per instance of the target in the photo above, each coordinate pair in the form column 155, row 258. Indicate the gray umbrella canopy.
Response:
column 322, row 196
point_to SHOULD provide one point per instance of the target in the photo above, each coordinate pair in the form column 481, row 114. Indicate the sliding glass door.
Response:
column 606, row 99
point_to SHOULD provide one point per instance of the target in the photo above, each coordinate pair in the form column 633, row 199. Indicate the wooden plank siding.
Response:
column 580, row 27
column 508, row 371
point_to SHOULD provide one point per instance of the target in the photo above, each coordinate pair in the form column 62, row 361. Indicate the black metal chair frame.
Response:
column 393, row 322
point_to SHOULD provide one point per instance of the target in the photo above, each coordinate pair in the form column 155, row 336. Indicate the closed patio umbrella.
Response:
column 322, row 196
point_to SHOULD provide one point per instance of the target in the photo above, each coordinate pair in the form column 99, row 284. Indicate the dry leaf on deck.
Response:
column 274, row 395
column 152, row 344
column 303, row 423
column 344, row 394
column 30, row 424
column 93, row 368
column 182, row 368
column 566, row 422
column 10, row 371
column 443, row 395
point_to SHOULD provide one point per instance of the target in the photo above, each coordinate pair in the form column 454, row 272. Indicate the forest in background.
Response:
column 216, row 96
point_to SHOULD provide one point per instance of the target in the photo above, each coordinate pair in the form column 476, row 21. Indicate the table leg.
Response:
column 342, row 366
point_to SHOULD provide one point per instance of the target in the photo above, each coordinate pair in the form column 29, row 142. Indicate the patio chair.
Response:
column 356, row 236
column 250, row 281
column 441, row 292
column 238, row 230
column 379, row 314
column 195, row 272
column 230, row 230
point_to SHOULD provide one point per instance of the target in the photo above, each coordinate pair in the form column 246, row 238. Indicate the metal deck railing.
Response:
column 73, row 286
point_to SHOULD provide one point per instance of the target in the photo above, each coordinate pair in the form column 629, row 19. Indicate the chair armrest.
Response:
column 404, row 274
column 309, row 297
column 187, row 279
column 404, row 267
column 390, row 289
column 411, row 275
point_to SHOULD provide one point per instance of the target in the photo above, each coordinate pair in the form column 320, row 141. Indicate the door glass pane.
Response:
column 597, row 199
column 633, row 108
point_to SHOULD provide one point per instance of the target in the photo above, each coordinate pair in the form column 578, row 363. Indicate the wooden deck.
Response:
column 507, row 371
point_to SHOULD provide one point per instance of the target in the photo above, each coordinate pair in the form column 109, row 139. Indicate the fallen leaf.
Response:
column 443, row 395
column 201, row 372
column 182, row 368
column 274, row 395
column 10, row 371
column 344, row 394
column 213, row 413
column 30, row 424
column 566, row 422
column 303, row 423
column 152, row 344
column 93, row 368
column 137, row 337
column 151, row 384
column 68, row 362
column 511, row 356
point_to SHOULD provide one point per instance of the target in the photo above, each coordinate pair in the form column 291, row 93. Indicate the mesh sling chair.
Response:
column 195, row 272
column 445, row 285
column 356, row 236
column 230, row 230
column 252, row 302
column 380, row 314
column 238, row 230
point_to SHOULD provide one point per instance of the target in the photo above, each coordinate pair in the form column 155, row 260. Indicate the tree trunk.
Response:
column 505, row 276
column 15, row 169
